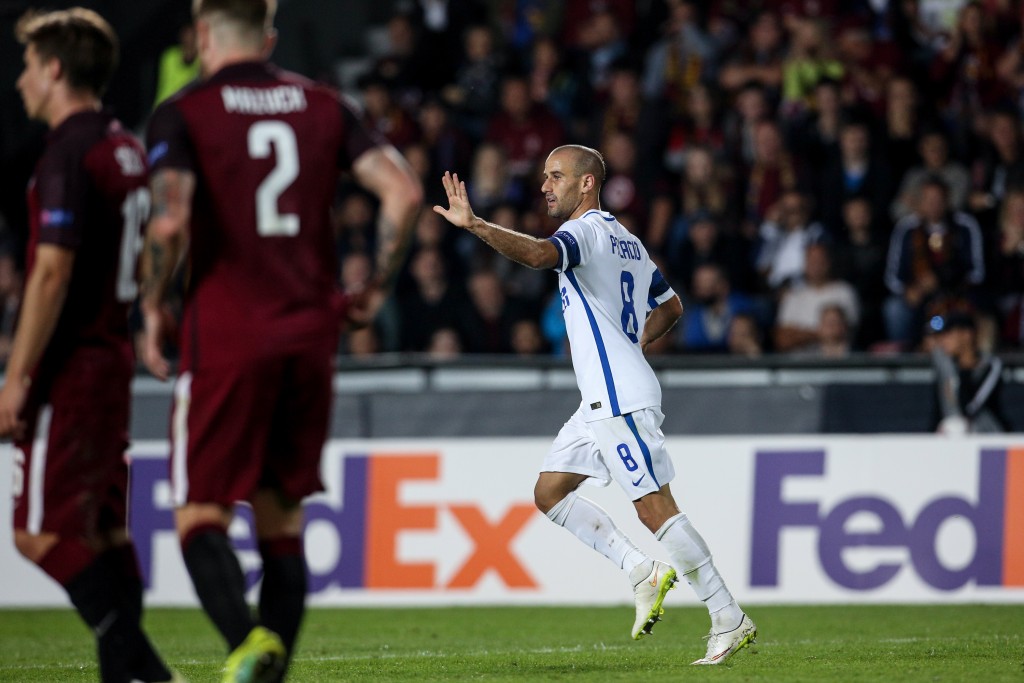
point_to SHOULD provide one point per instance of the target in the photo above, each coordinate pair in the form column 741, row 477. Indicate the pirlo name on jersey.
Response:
column 255, row 101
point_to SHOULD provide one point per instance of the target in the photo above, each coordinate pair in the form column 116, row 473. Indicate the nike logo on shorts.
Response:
column 637, row 482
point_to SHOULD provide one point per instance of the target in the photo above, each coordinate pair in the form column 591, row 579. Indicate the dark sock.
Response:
column 146, row 663
column 94, row 594
column 219, row 582
column 283, row 593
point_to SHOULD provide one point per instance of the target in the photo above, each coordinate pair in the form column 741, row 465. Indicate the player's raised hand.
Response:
column 459, row 213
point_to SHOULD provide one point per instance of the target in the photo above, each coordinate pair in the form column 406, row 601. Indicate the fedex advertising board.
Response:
column 789, row 520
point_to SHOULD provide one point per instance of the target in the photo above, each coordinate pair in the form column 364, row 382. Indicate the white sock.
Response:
column 595, row 528
column 692, row 559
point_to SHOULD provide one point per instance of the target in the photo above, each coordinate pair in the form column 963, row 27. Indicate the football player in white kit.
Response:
column 615, row 303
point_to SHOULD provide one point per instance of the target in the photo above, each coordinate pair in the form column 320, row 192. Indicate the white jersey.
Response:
column 608, row 285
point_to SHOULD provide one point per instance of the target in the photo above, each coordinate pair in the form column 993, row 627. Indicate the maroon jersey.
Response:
column 266, row 147
column 89, row 194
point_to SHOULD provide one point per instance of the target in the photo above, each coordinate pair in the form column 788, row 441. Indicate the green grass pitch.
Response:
column 819, row 643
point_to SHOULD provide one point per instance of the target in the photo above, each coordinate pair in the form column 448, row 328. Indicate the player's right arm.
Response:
column 172, row 183
column 521, row 248
column 164, row 250
column 385, row 173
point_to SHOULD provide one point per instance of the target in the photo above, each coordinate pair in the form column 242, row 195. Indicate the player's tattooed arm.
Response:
column 385, row 173
column 661, row 320
column 520, row 247
column 167, row 232
column 163, row 252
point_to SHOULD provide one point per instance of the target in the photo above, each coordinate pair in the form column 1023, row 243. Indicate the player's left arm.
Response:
column 661, row 320
column 45, row 293
column 165, row 246
column 386, row 173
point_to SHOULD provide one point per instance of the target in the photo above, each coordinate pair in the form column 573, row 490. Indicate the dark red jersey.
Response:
column 90, row 194
column 266, row 147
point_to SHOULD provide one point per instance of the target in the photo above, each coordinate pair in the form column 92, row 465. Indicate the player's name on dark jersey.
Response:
column 284, row 99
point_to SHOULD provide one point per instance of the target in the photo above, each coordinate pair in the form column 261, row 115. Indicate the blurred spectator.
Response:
column 447, row 145
column 433, row 303
column 1008, row 268
column 444, row 344
column 621, row 193
column 934, row 254
column 699, row 126
column 685, row 56
column 601, row 42
column 474, row 93
column 443, row 24
column 798, row 326
column 772, row 174
column 702, row 191
column 855, row 171
column 1000, row 166
column 859, row 258
column 811, row 59
column 745, row 338
column 749, row 108
column 527, row 339
column 703, row 242
column 491, row 317
column 384, row 115
column 834, row 335
column 759, row 57
column 867, row 63
column 403, row 65
column 553, row 82
column 490, row 182
column 708, row 316
column 361, row 343
column 935, row 161
column 902, row 126
column 785, row 236
column 966, row 67
column 178, row 64
column 354, row 227
column 814, row 135
column 525, row 130
column 621, row 108
column 968, row 383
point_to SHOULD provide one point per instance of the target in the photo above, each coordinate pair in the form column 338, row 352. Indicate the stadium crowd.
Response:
column 814, row 177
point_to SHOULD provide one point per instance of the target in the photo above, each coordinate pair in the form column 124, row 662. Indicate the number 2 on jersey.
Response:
column 277, row 137
column 630, row 324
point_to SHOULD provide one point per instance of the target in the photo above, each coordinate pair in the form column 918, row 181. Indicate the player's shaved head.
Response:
column 251, row 17
column 585, row 161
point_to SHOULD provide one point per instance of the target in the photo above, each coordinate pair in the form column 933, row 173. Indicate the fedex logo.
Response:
column 368, row 521
column 996, row 515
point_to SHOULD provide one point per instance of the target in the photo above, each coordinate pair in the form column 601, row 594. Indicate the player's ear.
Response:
column 269, row 42
column 588, row 182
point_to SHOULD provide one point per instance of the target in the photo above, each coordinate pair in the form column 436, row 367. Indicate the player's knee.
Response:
column 545, row 497
column 33, row 546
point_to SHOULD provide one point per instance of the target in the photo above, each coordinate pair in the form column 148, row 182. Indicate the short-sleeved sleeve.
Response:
column 358, row 138
column 167, row 140
column 660, row 291
column 575, row 242
column 62, row 185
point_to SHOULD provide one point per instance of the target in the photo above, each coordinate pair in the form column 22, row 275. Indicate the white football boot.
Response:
column 721, row 646
column 649, row 594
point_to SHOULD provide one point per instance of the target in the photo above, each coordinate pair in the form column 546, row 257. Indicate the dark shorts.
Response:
column 251, row 425
column 71, row 476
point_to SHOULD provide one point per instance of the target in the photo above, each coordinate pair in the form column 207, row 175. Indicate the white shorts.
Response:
column 629, row 449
